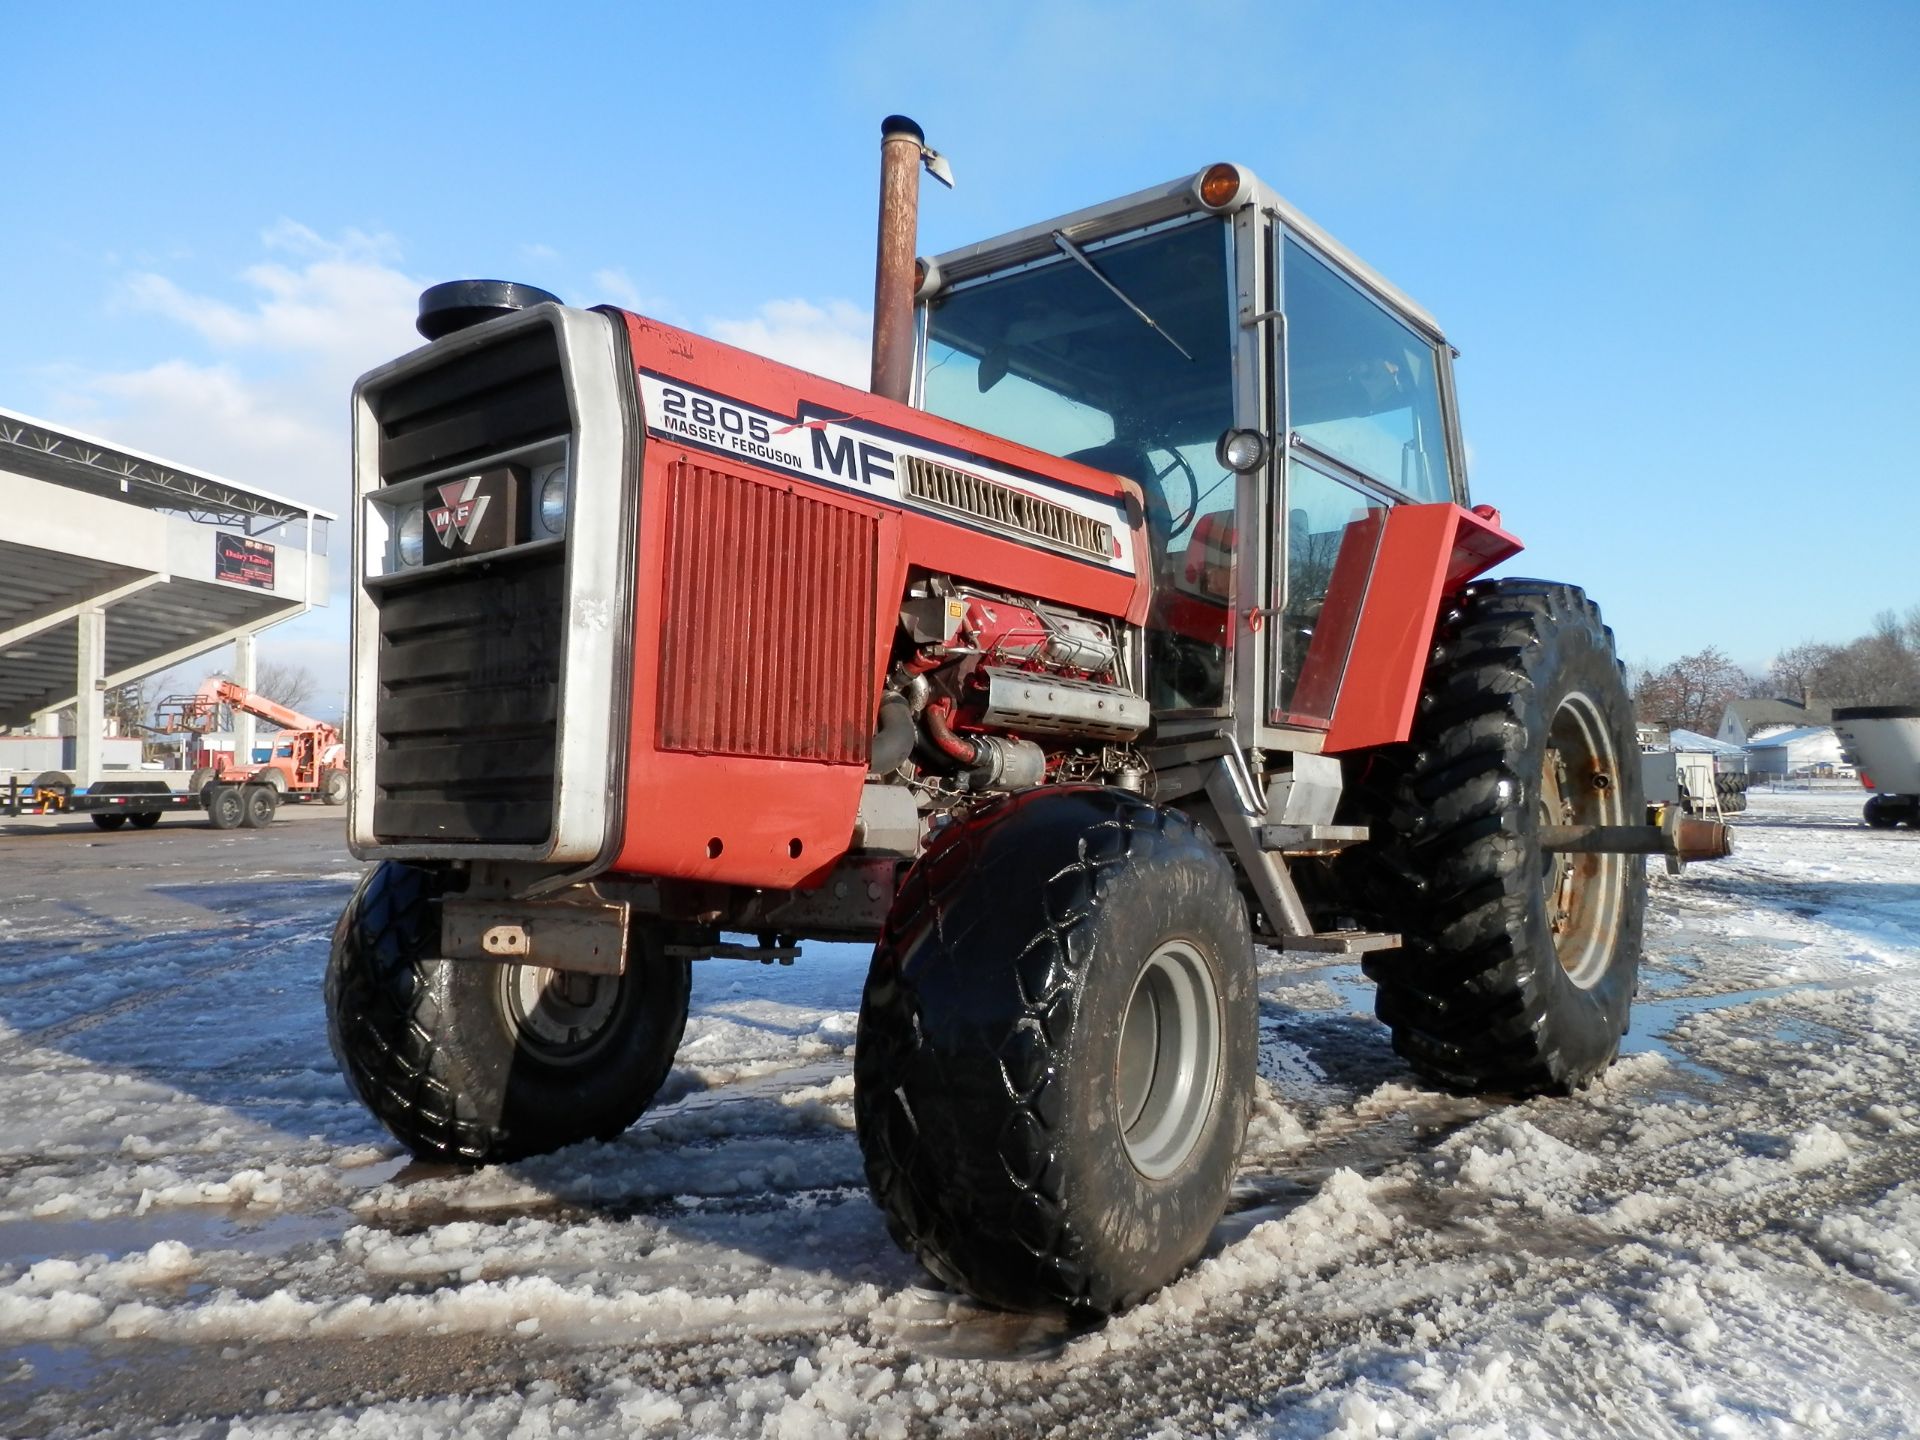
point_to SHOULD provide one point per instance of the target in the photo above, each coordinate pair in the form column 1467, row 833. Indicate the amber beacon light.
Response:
column 1219, row 186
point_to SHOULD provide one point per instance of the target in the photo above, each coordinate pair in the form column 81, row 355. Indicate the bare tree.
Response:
column 1881, row 667
column 127, row 706
column 1795, row 672
column 1691, row 693
column 292, row 685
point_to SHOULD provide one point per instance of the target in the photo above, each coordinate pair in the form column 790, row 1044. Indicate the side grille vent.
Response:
column 1003, row 506
column 767, row 645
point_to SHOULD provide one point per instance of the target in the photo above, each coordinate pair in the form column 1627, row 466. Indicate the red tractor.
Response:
column 1131, row 623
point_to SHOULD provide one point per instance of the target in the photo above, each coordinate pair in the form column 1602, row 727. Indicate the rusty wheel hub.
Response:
column 1579, row 785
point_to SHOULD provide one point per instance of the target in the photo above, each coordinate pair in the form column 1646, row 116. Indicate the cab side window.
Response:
column 1361, row 386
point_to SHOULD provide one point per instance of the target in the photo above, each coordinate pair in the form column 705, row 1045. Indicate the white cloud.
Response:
column 215, row 418
column 618, row 287
column 268, row 407
column 345, row 300
column 833, row 339
column 289, row 336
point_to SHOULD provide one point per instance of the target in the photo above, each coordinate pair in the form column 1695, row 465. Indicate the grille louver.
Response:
column 767, row 640
column 1007, row 508
column 469, row 704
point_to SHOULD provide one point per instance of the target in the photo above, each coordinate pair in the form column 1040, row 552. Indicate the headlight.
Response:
column 553, row 501
column 1241, row 450
column 412, row 535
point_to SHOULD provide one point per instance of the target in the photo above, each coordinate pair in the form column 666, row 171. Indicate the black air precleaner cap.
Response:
column 456, row 304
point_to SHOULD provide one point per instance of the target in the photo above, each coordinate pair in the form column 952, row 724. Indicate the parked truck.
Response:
column 308, row 759
column 1882, row 743
column 1137, row 617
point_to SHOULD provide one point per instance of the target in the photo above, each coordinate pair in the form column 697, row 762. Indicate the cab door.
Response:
column 1361, row 393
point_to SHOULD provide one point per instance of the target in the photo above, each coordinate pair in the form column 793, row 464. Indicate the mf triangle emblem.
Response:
column 461, row 509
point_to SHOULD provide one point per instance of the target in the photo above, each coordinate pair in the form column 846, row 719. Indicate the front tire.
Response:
column 480, row 1062
column 1055, row 1060
column 333, row 787
column 1518, row 967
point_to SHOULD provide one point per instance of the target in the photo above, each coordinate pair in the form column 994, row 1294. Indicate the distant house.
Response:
column 1748, row 720
column 1807, row 750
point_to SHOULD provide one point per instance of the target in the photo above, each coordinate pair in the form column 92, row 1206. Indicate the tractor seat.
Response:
column 1208, row 569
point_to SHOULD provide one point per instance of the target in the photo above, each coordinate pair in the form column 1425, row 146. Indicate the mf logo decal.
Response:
column 459, row 512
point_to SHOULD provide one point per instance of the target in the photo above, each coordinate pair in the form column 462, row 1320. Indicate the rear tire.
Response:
column 1056, row 1051
column 145, row 820
column 105, row 820
column 200, row 779
column 1518, row 967
column 1881, row 815
column 480, row 1062
column 333, row 787
column 226, row 806
column 262, row 803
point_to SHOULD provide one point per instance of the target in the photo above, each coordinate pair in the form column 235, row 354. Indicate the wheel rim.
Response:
column 1580, row 784
column 1167, row 1066
column 562, row 1016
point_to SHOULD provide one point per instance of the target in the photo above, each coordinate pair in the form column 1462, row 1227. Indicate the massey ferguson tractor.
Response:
column 1132, row 621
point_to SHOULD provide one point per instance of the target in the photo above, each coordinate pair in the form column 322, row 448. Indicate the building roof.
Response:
column 1752, row 713
column 61, row 455
column 1791, row 737
column 169, row 562
column 1694, row 740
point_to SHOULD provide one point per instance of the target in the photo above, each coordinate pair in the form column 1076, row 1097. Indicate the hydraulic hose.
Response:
column 893, row 738
column 940, row 731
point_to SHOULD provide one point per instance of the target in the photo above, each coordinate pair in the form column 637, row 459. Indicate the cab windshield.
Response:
column 1049, row 356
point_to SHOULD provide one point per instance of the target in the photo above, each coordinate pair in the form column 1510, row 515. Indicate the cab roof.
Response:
column 1166, row 202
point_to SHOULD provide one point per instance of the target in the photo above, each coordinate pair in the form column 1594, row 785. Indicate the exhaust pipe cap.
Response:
column 456, row 304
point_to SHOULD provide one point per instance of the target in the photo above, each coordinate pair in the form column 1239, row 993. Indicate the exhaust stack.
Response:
column 903, row 149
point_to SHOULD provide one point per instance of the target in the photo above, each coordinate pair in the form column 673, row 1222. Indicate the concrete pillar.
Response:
column 90, row 684
column 243, row 671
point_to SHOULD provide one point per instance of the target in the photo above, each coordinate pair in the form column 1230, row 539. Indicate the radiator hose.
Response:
column 893, row 738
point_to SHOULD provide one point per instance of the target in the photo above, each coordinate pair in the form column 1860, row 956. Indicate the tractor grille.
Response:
column 469, row 674
column 1007, row 508
column 766, row 641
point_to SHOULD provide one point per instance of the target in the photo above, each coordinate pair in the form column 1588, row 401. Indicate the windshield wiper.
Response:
column 1060, row 239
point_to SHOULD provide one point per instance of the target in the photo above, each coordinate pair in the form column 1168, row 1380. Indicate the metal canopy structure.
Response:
column 115, row 565
column 66, row 457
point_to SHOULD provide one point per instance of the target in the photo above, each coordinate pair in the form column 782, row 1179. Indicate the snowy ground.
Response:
column 202, row 1235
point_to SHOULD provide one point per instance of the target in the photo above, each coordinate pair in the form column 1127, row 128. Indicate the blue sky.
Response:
column 1675, row 243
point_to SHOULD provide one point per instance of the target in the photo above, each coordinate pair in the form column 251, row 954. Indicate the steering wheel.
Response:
column 1185, row 518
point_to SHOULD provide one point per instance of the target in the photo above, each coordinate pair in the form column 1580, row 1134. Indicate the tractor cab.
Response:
column 1271, row 394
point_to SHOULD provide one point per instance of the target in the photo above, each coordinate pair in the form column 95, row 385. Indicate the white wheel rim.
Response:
column 560, row 1015
column 1167, row 1063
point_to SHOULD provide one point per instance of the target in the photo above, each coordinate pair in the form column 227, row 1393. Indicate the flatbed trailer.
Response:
column 141, row 803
